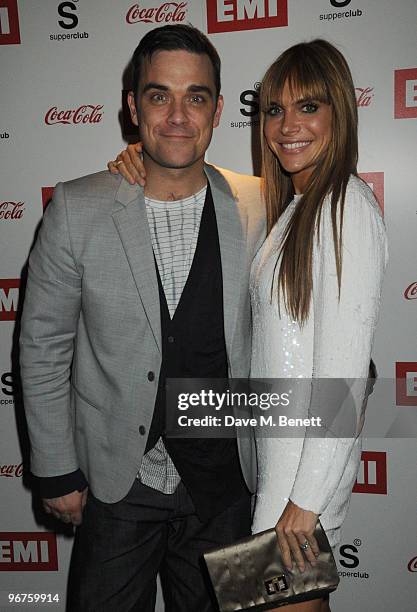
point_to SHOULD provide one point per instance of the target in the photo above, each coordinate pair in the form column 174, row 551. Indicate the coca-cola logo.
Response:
column 11, row 211
column 87, row 113
column 168, row 12
column 12, row 471
column 364, row 96
column 412, row 565
column 411, row 292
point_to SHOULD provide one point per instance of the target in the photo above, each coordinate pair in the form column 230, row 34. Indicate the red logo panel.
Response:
column 28, row 552
column 405, row 96
column 47, row 194
column 406, row 383
column 9, row 298
column 372, row 476
column 375, row 181
column 236, row 15
column 9, row 23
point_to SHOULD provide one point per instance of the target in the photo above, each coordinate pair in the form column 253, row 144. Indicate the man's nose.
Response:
column 177, row 114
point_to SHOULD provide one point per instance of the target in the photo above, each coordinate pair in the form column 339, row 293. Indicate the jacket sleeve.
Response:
column 343, row 337
column 49, row 323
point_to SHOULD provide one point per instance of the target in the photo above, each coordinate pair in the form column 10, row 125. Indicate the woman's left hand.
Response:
column 295, row 531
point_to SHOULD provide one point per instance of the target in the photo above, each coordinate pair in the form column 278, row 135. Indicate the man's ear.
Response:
column 218, row 111
column 132, row 108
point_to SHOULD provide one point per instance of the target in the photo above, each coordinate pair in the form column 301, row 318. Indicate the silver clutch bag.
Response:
column 249, row 574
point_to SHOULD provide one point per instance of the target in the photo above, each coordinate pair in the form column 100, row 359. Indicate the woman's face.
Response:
column 298, row 132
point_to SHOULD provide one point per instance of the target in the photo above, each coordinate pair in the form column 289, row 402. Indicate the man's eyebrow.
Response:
column 200, row 88
column 154, row 85
column 194, row 88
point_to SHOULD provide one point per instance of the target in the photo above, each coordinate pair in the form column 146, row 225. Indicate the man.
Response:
column 126, row 288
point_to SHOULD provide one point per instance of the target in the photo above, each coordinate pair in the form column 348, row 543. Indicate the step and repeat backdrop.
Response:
column 63, row 114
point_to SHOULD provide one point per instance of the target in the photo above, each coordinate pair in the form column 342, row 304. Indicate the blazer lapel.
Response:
column 231, row 227
column 132, row 225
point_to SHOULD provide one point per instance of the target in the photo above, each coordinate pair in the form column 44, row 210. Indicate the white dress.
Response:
column 318, row 473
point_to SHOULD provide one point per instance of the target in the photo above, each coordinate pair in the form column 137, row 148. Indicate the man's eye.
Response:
column 274, row 110
column 197, row 99
column 158, row 97
column 310, row 107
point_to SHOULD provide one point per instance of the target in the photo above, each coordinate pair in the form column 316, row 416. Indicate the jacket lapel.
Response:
column 132, row 225
column 231, row 227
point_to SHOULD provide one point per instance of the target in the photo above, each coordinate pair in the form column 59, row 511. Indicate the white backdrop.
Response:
column 62, row 66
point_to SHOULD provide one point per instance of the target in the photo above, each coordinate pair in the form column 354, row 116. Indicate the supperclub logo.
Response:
column 405, row 93
column 411, row 292
column 372, row 475
column 406, row 383
column 340, row 13
column 11, row 470
column 237, row 15
column 28, row 552
column 9, row 298
column 349, row 559
column 9, row 23
column 375, row 181
column 90, row 114
column 68, row 19
column 412, row 565
column 167, row 12
column 11, row 210
column 4, row 136
column 8, row 388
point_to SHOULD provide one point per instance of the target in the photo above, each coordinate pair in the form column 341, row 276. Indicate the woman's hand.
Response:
column 295, row 531
column 130, row 165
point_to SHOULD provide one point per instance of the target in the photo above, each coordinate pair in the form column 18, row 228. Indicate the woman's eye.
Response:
column 273, row 111
column 310, row 107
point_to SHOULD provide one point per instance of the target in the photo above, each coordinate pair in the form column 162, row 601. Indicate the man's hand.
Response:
column 130, row 165
column 68, row 508
column 295, row 531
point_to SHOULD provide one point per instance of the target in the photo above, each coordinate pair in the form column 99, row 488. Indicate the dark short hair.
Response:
column 178, row 37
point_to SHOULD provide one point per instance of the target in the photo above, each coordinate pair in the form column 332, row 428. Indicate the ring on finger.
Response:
column 117, row 163
column 305, row 545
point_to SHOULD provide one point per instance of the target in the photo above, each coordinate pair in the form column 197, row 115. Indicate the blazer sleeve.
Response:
column 49, row 323
column 343, row 335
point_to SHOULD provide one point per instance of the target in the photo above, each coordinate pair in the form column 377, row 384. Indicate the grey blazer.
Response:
column 91, row 335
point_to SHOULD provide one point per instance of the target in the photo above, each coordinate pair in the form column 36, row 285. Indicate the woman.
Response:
column 315, row 287
column 323, row 263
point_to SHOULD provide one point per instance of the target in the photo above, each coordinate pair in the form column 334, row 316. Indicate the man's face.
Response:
column 176, row 108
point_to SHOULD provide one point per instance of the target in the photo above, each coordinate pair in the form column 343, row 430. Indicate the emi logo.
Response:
column 69, row 19
column 372, row 476
column 9, row 298
column 405, row 93
column 406, row 383
column 375, row 181
column 9, row 23
column 237, row 15
column 28, row 552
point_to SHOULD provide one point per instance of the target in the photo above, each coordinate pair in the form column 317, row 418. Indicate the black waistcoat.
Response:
column 193, row 346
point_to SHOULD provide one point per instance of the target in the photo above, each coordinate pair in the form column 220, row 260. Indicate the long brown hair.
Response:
column 317, row 71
